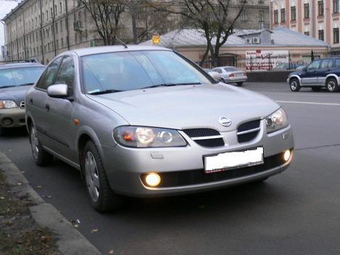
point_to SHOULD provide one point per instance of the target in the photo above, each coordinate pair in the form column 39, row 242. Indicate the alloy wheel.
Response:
column 92, row 176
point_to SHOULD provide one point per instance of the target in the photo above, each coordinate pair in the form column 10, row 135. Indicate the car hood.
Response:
column 17, row 94
column 184, row 107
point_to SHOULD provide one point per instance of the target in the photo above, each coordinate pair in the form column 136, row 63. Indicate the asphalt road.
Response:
column 296, row 212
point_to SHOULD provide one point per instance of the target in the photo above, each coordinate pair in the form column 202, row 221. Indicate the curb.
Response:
column 70, row 241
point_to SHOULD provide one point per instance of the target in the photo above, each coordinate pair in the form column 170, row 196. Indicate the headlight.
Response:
column 276, row 121
column 7, row 104
column 145, row 137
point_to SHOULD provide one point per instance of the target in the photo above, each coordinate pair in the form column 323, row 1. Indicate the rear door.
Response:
column 324, row 70
column 37, row 100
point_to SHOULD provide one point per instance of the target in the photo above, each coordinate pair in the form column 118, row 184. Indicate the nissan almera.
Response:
column 146, row 121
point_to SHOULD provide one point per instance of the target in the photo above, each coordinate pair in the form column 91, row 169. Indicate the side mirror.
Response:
column 215, row 75
column 58, row 91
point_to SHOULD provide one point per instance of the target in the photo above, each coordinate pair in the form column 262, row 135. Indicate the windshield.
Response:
column 19, row 76
column 121, row 71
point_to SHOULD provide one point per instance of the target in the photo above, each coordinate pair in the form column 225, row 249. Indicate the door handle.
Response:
column 47, row 107
column 31, row 100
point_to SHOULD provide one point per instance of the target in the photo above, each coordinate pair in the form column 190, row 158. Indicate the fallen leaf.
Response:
column 19, row 183
column 49, row 197
column 46, row 239
column 2, row 198
column 110, row 252
column 39, row 187
column 94, row 230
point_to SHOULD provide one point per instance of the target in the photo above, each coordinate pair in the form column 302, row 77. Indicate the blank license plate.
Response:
column 232, row 160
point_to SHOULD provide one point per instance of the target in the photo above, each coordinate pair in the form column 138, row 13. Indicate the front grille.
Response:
column 248, row 131
column 194, row 177
column 205, row 137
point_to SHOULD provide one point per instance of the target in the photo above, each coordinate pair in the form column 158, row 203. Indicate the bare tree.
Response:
column 106, row 15
column 215, row 18
column 147, row 21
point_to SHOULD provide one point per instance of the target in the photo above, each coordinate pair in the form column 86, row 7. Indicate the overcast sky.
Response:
column 5, row 7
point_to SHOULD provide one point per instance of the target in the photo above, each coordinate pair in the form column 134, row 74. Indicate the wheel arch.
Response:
column 296, row 77
column 86, row 134
column 331, row 76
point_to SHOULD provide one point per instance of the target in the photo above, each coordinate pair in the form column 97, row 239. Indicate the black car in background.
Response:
column 320, row 73
column 15, row 80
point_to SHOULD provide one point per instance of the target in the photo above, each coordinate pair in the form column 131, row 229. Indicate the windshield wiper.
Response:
column 171, row 84
column 105, row 92
column 8, row 86
column 26, row 84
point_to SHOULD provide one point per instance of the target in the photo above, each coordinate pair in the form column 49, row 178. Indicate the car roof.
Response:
column 116, row 48
column 20, row 65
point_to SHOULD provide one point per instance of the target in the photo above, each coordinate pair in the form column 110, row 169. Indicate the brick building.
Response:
column 316, row 18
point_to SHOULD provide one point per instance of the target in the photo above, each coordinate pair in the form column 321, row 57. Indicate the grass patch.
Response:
column 19, row 233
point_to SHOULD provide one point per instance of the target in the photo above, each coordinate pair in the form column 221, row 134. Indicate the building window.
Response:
column 335, row 35
column 61, row 25
column 283, row 15
column 321, row 35
column 276, row 16
column 307, row 33
column 293, row 13
column 320, row 8
column 335, row 6
column 244, row 15
column 306, row 11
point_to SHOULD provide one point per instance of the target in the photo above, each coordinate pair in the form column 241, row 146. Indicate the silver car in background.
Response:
column 230, row 74
column 145, row 121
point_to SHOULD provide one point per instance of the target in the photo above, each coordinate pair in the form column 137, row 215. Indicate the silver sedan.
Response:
column 145, row 121
column 230, row 74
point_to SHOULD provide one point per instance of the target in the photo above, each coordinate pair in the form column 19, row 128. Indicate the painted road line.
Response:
column 309, row 103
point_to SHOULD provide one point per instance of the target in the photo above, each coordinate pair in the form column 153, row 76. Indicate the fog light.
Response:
column 153, row 179
column 6, row 122
column 286, row 155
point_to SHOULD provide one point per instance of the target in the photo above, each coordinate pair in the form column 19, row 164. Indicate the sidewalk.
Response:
column 68, row 240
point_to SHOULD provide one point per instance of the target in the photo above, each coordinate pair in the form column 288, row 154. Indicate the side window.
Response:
column 325, row 63
column 48, row 76
column 66, row 73
column 314, row 65
column 331, row 63
column 337, row 63
column 217, row 70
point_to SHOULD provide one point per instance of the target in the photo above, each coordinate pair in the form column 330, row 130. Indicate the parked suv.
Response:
column 145, row 121
column 320, row 73
column 15, row 80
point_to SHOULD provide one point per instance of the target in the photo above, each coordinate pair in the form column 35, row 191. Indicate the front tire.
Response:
column 40, row 156
column 332, row 85
column 294, row 85
column 101, row 196
column 239, row 84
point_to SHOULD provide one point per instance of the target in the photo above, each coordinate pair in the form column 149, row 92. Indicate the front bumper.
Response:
column 11, row 118
column 182, row 168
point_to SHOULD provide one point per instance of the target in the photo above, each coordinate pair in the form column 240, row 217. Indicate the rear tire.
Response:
column 316, row 89
column 294, row 85
column 40, row 156
column 101, row 196
column 332, row 85
column 239, row 84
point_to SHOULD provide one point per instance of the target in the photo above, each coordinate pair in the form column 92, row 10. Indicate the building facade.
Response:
column 316, row 18
column 42, row 29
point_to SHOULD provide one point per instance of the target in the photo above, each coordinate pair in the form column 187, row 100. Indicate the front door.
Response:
column 61, row 128
column 310, row 76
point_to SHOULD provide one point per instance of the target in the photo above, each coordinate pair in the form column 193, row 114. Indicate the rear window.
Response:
column 19, row 76
column 230, row 69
